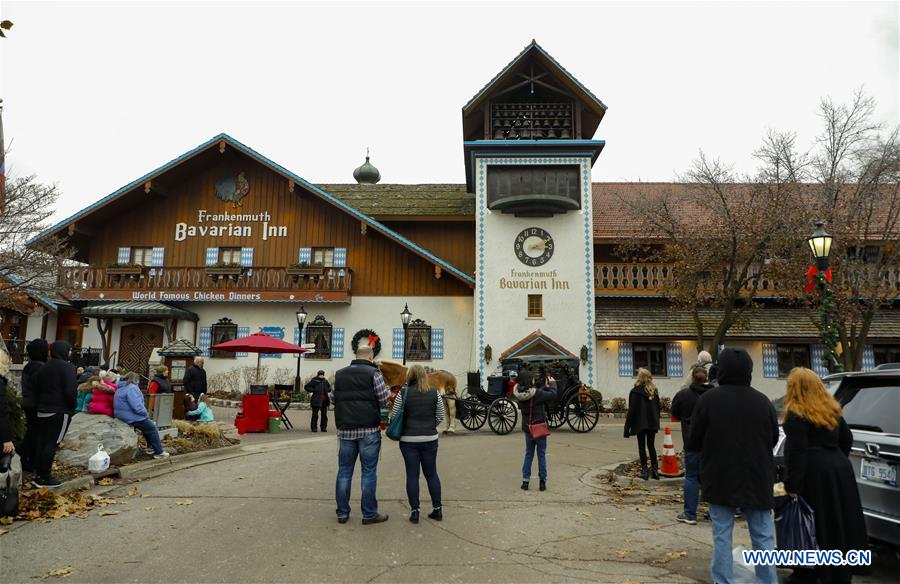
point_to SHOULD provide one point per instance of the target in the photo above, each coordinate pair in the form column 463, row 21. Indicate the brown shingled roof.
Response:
column 395, row 199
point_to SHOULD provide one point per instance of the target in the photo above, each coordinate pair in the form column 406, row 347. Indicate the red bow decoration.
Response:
column 374, row 339
column 811, row 276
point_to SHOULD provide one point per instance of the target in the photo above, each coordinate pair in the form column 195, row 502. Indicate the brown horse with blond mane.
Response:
column 443, row 381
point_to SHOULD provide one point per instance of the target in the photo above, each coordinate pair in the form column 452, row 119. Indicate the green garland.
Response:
column 829, row 331
column 365, row 333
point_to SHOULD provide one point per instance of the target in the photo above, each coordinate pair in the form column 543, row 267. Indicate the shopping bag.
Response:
column 795, row 524
column 99, row 462
column 10, row 481
column 395, row 428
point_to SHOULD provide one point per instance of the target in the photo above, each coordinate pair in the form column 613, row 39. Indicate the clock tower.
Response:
column 529, row 150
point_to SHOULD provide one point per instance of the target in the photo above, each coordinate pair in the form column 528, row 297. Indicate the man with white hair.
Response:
column 359, row 396
column 195, row 379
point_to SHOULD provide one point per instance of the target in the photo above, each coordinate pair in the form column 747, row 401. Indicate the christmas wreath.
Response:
column 369, row 337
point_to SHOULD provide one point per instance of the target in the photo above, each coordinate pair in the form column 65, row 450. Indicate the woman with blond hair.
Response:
column 817, row 468
column 642, row 420
column 423, row 412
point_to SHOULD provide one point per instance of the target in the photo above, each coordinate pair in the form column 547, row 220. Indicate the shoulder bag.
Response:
column 395, row 428
column 536, row 430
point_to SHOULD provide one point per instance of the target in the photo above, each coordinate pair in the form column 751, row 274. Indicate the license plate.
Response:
column 878, row 471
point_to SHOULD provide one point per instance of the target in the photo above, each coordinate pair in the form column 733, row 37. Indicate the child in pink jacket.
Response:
column 102, row 399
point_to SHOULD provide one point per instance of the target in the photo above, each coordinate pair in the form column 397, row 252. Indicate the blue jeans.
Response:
column 421, row 455
column 762, row 534
column 148, row 429
column 367, row 449
column 529, row 457
column 691, row 483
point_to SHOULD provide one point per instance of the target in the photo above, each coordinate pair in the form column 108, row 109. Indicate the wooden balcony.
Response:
column 202, row 284
column 647, row 279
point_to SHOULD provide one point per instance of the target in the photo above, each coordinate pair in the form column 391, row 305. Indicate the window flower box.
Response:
column 223, row 269
column 131, row 270
column 305, row 269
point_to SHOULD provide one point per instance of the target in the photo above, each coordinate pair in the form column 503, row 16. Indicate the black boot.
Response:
column 654, row 472
column 437, row 515
column 645, row 474
column 524, row 485
column 414, row 516
column 543, row 485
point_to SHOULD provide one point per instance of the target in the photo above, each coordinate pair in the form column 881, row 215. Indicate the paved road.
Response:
column 269, row 517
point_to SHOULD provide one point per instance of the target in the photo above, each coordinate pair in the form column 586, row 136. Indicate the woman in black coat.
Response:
column 37, row 351
column 532, row 403
column 642, row 420
column 817, row 468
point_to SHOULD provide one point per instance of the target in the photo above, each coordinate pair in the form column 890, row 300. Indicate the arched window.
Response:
column 320, row 332
column 418, row 341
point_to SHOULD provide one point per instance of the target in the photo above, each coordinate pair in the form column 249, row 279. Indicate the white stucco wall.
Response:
column 501, row 316
column 382, row 314
column 611, row 385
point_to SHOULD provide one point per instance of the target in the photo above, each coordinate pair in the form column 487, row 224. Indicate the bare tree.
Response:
column 728, row 239
column 24, row 268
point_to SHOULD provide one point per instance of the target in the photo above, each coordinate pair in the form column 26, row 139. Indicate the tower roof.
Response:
column 366, row 174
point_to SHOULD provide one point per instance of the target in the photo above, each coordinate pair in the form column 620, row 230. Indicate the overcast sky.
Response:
column 97, row 94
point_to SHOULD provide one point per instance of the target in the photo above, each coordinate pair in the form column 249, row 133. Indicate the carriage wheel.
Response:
column 582, row 412
column 471, row 413
column 556, row 416
column 503, row 416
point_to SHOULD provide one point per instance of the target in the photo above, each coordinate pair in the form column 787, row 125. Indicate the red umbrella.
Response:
column 259, row 343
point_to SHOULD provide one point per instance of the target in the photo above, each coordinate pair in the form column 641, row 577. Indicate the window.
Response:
column 790, row 356
column 512, row 181
column 535, row 306
column 650, row 356
column 323, row 256
column 418, row 341
column 142, row 256
column 874, row 409
column 222, row 332
column 886, row 354
column 229, row 255
column 319, row 333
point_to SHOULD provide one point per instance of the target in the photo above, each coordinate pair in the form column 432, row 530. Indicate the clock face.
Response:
column 533, row 246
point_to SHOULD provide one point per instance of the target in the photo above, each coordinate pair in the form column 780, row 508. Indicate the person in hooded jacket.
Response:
column 683, row 405
column 532, row 403
column 6, row 431
column 318, row 389
column 56, row 397
column 735, row 429
column 37, row 351
column 642, row 420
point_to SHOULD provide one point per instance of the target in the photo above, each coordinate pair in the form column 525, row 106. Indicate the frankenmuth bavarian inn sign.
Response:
column 229, row 225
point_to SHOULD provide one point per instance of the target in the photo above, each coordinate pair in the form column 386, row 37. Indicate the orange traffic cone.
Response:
column 669, row 466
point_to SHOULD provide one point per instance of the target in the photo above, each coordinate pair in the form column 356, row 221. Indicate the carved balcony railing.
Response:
column 83, row 280
column 649, row 279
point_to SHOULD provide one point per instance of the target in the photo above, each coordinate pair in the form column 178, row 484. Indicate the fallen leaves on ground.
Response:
column 134, row 491
column 106, row 513
column 623, row 553
column 587, row 513
column 59, row 573
column 669, row 556
column 640, row 510
column 144, row 495
column 151, row 508
column 4, row 531
column 44, row 505
column 184, row 502
column 6, row 520
column 105, row 481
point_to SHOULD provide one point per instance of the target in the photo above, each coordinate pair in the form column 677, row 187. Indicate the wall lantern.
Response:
column 584, row 354
column 488, row 353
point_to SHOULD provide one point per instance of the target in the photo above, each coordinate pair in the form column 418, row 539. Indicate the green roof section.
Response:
column 450, row 200
column 137, row 309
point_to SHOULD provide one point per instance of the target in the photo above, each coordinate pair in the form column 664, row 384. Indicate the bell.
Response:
column 498, row 134
column 555, row 122
column 551, row 133
column 565, row 135
column 497, row 123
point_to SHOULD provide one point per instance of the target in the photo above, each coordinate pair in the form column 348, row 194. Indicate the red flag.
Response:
column 811, row 276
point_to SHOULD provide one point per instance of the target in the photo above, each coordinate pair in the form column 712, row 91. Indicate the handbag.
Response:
column 537, row 430
column 395, row 428
column 795, row 524
column 9, row 488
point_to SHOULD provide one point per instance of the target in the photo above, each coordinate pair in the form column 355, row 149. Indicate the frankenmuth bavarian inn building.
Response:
column 518, row 260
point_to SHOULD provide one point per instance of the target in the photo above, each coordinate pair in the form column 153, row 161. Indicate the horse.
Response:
column 443, row 381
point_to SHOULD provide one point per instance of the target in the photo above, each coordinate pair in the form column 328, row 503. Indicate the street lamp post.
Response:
column 301, row 320
column 405, row 318
column 820, row 245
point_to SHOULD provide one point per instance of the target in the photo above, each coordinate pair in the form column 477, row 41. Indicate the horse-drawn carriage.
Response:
column 495, row 405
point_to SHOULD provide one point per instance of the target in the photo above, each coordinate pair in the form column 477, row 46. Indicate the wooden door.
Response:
column 136, row 343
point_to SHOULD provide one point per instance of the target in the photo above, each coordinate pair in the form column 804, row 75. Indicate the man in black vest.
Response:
column 359, row 396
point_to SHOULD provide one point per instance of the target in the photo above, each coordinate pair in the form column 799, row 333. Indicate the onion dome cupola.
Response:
column 367, row 174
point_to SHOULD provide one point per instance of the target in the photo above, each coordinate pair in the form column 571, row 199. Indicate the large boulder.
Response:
column 86, row 431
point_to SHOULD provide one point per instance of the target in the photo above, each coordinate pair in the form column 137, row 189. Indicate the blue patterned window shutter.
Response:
column 305, row 255
column 770, row 360
column 124, row 255
column 247, row 259
column 296, row 337
column 397, row 344
column 157, row 258
column 868, row 361
column 243, row 331
column 305, row 336
column 337, row 343
column 340, row 257
column 212, row 256
column 674, row 360
column 818, row 351
column 205, row 339
column 437, row 343
column 626, row 360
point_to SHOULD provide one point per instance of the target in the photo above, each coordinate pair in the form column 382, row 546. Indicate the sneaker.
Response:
column 48, row 482
column 162, row 454
column 684, row 519
column 343, row 519
column 543, row 486
column 414, row 516
column 149, row 451
column 524, row 485
column 377, row 519
column 437, row 514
